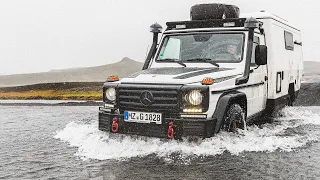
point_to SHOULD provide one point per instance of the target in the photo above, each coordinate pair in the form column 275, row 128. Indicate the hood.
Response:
column 178, row 75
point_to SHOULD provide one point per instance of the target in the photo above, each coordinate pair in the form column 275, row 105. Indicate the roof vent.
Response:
column 214, row 11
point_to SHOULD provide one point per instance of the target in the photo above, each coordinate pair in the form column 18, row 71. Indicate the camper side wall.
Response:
column 285, row 63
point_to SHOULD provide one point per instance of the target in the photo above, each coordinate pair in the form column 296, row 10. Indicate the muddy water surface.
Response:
column 62, row 142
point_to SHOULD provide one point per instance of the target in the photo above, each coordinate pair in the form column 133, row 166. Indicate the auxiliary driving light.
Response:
column 108, row 105
column 181, row 26
column 192, row 110
column 111, row 94
column 200, row 116
column 229, row 24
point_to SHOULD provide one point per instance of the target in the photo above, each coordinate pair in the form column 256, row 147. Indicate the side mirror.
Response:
column 261, row 54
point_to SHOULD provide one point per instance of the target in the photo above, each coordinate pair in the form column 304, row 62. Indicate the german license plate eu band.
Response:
column 142, row 117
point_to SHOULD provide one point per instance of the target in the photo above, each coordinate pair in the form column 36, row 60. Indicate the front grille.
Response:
column 165, row 98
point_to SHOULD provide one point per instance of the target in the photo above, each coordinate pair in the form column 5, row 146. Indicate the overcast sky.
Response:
column 41, row 35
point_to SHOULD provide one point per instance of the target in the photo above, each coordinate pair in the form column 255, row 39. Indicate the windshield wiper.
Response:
column 172, row 60
column 207, row 60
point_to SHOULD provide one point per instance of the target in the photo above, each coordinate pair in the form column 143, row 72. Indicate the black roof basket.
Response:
column 211, row 23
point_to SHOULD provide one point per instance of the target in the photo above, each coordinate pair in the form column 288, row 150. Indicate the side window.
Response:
column 288, row 39
column 171, row 50
column 256, row 42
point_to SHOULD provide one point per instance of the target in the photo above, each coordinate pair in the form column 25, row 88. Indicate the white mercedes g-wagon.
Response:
column 214, row 72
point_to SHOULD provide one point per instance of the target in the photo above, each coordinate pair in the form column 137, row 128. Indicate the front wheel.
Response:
column 234, row 119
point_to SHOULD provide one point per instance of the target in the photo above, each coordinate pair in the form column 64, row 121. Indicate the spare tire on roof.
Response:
column 213, row 11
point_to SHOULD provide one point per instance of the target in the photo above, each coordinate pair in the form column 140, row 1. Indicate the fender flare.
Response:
column 223, row 104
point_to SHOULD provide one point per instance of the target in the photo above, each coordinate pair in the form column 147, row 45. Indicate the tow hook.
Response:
column 170, row 130
column 115, row 125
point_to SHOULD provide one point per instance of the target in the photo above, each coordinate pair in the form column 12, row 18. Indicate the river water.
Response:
column 63, row 142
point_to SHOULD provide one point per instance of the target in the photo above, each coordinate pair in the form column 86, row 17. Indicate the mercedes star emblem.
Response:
column 146, row 98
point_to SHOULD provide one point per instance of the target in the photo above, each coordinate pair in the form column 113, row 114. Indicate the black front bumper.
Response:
column 182, row 127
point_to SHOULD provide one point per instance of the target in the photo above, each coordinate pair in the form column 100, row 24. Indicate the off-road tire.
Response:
column 234, row 119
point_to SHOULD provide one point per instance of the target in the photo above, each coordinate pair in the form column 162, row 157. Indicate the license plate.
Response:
column 142, row 117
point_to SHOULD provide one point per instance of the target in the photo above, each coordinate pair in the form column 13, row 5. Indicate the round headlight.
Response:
column 111, row 94
column 195, row 97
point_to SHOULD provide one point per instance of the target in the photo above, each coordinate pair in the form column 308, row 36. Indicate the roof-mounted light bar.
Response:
column 239, row 22
column 181, row 26
column 229, row 24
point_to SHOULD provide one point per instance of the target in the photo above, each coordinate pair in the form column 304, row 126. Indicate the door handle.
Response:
column 265, row 78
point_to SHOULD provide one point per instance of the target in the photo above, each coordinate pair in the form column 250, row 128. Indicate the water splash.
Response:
column 94, row 144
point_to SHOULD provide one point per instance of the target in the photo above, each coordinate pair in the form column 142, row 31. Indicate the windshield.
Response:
column 222, row 48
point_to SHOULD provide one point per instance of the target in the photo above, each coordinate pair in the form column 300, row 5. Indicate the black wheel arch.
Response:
column 224, row 102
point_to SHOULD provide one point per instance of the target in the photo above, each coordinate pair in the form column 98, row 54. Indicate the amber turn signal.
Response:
column 113, row 78
column 207, row 81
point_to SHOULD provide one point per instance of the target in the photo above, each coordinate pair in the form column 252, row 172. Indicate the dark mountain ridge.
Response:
column 123, row 68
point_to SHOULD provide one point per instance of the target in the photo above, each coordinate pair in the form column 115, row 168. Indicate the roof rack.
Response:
column 238, row 22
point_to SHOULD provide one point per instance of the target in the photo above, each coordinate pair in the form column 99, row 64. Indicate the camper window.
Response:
column 288, row 38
